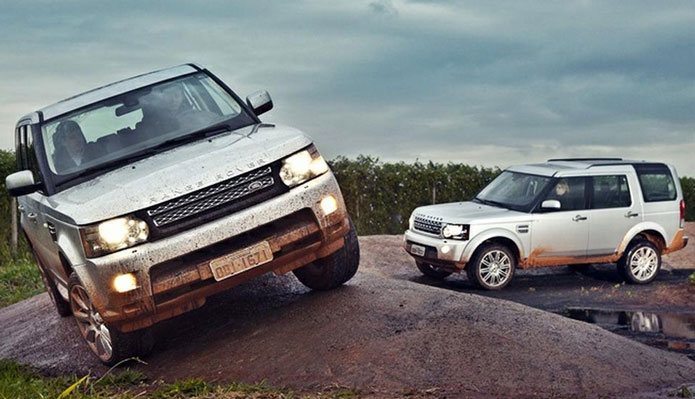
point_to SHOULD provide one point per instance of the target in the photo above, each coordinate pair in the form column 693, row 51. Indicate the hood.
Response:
column 469, row 213
column 175, row 172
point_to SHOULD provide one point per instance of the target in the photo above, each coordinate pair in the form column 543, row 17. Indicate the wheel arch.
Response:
column 649, row 231
column 497, row 236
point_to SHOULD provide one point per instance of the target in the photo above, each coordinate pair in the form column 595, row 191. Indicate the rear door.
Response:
column 614, row 210
column 565, row 232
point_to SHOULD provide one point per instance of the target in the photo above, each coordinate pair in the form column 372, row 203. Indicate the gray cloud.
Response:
column 490, row 83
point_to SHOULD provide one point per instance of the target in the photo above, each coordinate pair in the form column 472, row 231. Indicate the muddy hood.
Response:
column 175, row 172
column 469, row 213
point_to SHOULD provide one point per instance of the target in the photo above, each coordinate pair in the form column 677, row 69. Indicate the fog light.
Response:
column 445, row 249
column 329, row 204
column 125, row 282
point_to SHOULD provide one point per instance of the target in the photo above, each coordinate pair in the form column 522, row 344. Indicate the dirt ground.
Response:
column 384, row 333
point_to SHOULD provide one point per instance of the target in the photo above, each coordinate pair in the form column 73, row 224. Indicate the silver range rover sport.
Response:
column 561, row 212
column 141, row 198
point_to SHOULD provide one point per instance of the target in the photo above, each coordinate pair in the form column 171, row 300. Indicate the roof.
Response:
column 111, row 90
column 569, row 165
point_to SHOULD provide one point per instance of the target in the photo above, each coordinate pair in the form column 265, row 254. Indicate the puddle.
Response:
column 664, row 330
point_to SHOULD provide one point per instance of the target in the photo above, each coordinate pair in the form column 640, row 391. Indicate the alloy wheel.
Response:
column 644, row 263
column 90, row 323
column 495, row 268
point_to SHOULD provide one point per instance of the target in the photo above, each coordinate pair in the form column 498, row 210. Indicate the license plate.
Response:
column 239, row 261
column 418, row 250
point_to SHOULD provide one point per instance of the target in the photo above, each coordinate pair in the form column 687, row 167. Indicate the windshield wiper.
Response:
column 195, row 135
column 205, row 132
column 490, row 202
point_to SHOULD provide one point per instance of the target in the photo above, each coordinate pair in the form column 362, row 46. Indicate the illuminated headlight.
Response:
column 113, row 235
column 302, row 166
column 455, row 231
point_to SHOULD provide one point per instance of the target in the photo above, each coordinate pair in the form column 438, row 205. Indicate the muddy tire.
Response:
column 641, row 263
column 432, row 271
column 335, row 269
column 492, row 267
column 106, row 342
column 62, row 306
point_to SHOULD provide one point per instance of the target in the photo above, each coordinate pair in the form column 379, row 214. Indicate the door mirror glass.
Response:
column 551, row 204
column 21, row 183
column 260, row 102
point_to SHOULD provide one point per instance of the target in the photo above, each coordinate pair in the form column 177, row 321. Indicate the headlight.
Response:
column 455, row 231
column 113, row 235
column 302, row 166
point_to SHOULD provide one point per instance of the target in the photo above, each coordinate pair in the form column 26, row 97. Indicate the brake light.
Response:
column 682, row 213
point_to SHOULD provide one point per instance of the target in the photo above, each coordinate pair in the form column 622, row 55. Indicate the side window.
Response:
column 610, row 192
column 571, row 192
column 656, row 182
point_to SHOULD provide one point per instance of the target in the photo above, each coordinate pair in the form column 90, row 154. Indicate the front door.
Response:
column 559, row 236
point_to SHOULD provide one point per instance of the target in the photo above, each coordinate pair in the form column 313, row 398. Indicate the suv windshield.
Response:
column 133, row 124
column 513, row 190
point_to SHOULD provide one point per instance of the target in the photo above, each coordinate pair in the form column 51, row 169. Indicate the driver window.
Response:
column 571, row 193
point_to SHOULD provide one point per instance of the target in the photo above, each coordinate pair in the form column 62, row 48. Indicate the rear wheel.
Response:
column 106, row 342
column 432, row 271
column 492, row 267
column 641, row 263
column 335, row 269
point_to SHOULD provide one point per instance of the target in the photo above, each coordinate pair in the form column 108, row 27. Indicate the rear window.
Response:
column 656, row 182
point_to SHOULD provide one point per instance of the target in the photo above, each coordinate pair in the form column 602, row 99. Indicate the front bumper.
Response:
column 442, row 252
column 173, row 273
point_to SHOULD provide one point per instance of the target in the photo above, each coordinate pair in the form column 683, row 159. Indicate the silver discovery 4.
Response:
column 141, row 198
column 561, row 212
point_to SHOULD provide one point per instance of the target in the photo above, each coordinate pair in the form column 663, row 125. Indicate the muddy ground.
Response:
column 388, row 331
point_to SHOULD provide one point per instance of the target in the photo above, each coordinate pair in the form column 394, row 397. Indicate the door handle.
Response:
column 631, row 214
column 579, row 218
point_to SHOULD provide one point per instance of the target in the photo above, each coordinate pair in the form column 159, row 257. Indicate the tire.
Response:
column 106, row 342
column 432, row 271
column 641, row 263
column 496, row 257
column 62, row 306
column 335, row 269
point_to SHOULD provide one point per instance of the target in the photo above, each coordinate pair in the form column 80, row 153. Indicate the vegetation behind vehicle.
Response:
column 380, row 196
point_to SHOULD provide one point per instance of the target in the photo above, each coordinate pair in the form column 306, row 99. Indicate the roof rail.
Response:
column 584, row 159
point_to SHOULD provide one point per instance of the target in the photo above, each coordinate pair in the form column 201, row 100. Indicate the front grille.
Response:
column 236, row 190
column 428, row 224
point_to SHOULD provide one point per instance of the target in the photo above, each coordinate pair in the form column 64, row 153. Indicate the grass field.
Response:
column 19, row 279
column 20, row 382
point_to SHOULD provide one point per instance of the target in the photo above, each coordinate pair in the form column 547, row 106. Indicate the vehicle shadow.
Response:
column 553, row 289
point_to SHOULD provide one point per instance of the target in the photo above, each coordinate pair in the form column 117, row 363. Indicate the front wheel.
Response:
column 641, row 263
column 335, row 269
column 106, row 342
column 492, row 267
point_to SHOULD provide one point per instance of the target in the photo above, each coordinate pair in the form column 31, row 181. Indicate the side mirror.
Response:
column 551, row 204
column 21, row 183
column 260, row 102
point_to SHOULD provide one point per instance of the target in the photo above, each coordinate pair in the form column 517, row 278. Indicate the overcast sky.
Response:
column 486, row 83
